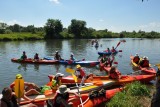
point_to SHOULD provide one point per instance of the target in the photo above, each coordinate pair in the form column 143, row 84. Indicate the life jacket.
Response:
column 54, row 84
column 136, row 59
column 104, row 59
column 82, row 72
column 44, row 88
column 36, row 57
column 145, row 63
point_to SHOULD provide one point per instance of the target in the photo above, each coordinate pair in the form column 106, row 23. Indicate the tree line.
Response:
column 53, row 29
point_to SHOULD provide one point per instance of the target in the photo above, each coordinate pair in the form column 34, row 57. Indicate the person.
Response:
column 72, row 58
column 24, row 56
column 61, row 98
column 113, row 73
column 30, row 88
column 8, row 99
column 155, row 102
column 80, row 73
column 107, row 60
column 108, row 50
column 57, row 56
column 56, row 82
column 136, row 58
column 36, row 57
column 113, row 50
column 144, row 62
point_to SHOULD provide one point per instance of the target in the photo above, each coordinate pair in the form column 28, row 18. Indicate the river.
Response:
column 81, row 48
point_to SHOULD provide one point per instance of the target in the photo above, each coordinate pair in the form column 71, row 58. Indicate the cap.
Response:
column 19, row 76
column 78, row 66
column 59, row 75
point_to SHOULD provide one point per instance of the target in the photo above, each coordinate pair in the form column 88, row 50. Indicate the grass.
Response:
column 134, row 95
column 21, row 36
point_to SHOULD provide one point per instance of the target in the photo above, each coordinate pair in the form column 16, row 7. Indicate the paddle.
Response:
column 19, row 88
column 120, row 43
column 75, row 79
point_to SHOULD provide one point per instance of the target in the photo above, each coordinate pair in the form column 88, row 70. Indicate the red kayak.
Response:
column 147, row 70
column 32, row 61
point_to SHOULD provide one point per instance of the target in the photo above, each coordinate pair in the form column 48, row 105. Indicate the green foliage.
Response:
column 21, row 36
column 130, row 96
column 137, row 89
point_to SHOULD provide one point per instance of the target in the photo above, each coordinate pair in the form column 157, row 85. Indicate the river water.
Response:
column 81, row 48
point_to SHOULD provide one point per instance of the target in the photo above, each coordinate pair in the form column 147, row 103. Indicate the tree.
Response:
column 77, row 28
column 53, row 28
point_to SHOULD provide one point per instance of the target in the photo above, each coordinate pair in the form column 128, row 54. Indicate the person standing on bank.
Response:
column 155, row 102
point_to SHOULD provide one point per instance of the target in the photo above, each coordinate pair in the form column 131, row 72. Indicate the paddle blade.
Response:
column 123, row 40
column 70, row 70
column 74, row 77
column 19, row 87
column 120, row 50
column 115, row 62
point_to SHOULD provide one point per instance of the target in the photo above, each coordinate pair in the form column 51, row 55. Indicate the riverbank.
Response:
column 22, row 36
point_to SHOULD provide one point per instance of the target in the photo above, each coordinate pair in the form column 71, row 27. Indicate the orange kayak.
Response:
column 32, row 61
column 146, row 70
column 89, row 101
column 103, row 80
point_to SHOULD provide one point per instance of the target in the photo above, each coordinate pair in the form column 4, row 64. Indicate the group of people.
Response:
column 143, row 62
column 113, row 50
column 24, row 56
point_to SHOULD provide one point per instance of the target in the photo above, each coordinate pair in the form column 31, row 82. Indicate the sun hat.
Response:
column 136, row 54
column 59, row 75
column 56, row 51
column 62, row 89
column 19, row 76
column 72, row 54
column 78, row 66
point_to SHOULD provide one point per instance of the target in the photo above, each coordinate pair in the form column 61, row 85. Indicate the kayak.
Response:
column 104, row 80
column 88, row 99
column 92, row 100
column 107, row 53
column 80, row 62
column 147, row 70
column 32, row 61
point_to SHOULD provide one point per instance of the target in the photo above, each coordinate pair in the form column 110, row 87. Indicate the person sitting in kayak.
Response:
column 61, row 98
column 56, row 82
column 144, row 62
column 71, row 59
column 136, row 58
column 24, row 56
column 113, row 50
column 80, row 73
column 106, row 60
column 57, row 56
column 113, row 73
column 36, row 57
column 29, row 89
column 108, row 50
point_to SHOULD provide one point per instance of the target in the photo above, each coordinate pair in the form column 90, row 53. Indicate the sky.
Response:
column 114, row 15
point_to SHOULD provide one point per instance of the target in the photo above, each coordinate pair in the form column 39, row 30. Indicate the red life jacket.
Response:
column 82, row 72
column 145, row 63
column 136, row 60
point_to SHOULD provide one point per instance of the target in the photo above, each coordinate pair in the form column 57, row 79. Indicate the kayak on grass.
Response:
column 91, row 99
column 147, row 70
column 32, row 61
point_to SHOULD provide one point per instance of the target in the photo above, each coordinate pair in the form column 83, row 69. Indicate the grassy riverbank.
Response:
column 134, row 95
column 22, row 36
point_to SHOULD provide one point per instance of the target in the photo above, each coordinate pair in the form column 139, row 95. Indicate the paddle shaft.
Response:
column 79, row 94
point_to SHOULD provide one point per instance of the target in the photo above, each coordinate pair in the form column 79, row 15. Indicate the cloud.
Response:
column 12, row 22
column 153, row 26
column 55, row 1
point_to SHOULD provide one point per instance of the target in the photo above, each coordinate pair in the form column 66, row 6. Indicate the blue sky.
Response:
column 114, row 15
